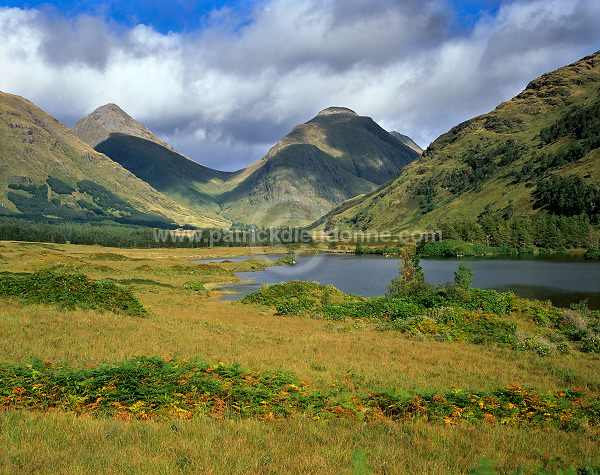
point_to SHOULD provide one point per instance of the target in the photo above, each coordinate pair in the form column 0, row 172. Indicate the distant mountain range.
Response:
column 535, row 153
column 335, row 156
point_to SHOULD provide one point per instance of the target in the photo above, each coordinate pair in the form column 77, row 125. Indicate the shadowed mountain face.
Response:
column 333, row 157
column 184, row 180
column 46, row 172
column 538, row 152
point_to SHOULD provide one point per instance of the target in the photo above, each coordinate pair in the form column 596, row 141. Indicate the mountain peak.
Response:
column 111, row 119
column 110, row 107
column 337, row 110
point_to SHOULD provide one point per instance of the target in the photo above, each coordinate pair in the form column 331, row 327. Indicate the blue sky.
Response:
column 186, row 15
column 164, row 16
column 224, row 80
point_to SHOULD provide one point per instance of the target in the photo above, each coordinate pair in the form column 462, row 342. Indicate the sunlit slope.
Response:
column 47, row 172
column 494, row 160
column 335, row 156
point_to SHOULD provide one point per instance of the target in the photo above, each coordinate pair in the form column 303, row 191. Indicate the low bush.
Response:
column 196, row 286
column 377, row 307
column 70, row 291
column 592, row 254
column 534, row 345
column 452, row 324
column 285, row 261
column 298, row 298
column 590, row 344
column 486, row 300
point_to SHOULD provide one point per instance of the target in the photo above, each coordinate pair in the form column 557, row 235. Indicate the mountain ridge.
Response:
column 492, row 162
column 352, row 154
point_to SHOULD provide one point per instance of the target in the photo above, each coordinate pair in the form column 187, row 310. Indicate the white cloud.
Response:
column 226, row 93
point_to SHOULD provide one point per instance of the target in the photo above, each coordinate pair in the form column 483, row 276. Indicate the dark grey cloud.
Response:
column 335, row 34
column 84, row 39
column 225, row 93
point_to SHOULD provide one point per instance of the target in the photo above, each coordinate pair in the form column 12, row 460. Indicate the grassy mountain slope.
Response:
column 495, row 161
column 113, row 132
column 331, row 158
column 46, row 171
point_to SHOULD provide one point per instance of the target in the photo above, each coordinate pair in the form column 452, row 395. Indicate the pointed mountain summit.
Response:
column 47, row 173
column 108, row 119
column 110, row 130
column 337, row 110
column 334, row 156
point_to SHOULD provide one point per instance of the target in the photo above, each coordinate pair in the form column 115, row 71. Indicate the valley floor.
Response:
column 184, row 324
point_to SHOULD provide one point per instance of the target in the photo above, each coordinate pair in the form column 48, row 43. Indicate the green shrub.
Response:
column 285, row 261
column 377, row 307
column 70, row 291
column 59, row 186
column 149, row 388
column 563, row 348
column 463, row 277
column 412, row 278
column 298, row 298
column 196, row 286
column 487, row 300
column 593, row 254
column 590, row 344
column 534, row 345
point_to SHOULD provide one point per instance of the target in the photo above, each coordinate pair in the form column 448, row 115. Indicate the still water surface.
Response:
column 561, row 279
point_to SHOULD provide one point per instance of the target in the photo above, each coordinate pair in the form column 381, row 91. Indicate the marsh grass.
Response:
column 320, row 353
column 56, row 443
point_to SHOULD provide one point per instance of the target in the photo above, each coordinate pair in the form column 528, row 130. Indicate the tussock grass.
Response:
column 58, row 443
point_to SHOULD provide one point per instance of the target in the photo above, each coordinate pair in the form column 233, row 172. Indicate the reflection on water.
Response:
column 563, row 280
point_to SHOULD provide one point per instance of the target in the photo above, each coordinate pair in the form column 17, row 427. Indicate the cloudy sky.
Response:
column 224, row 80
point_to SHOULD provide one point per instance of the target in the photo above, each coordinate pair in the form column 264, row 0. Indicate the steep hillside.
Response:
column 47, row 172
column 113, row 132
column 537, row 152
column 333, row 157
